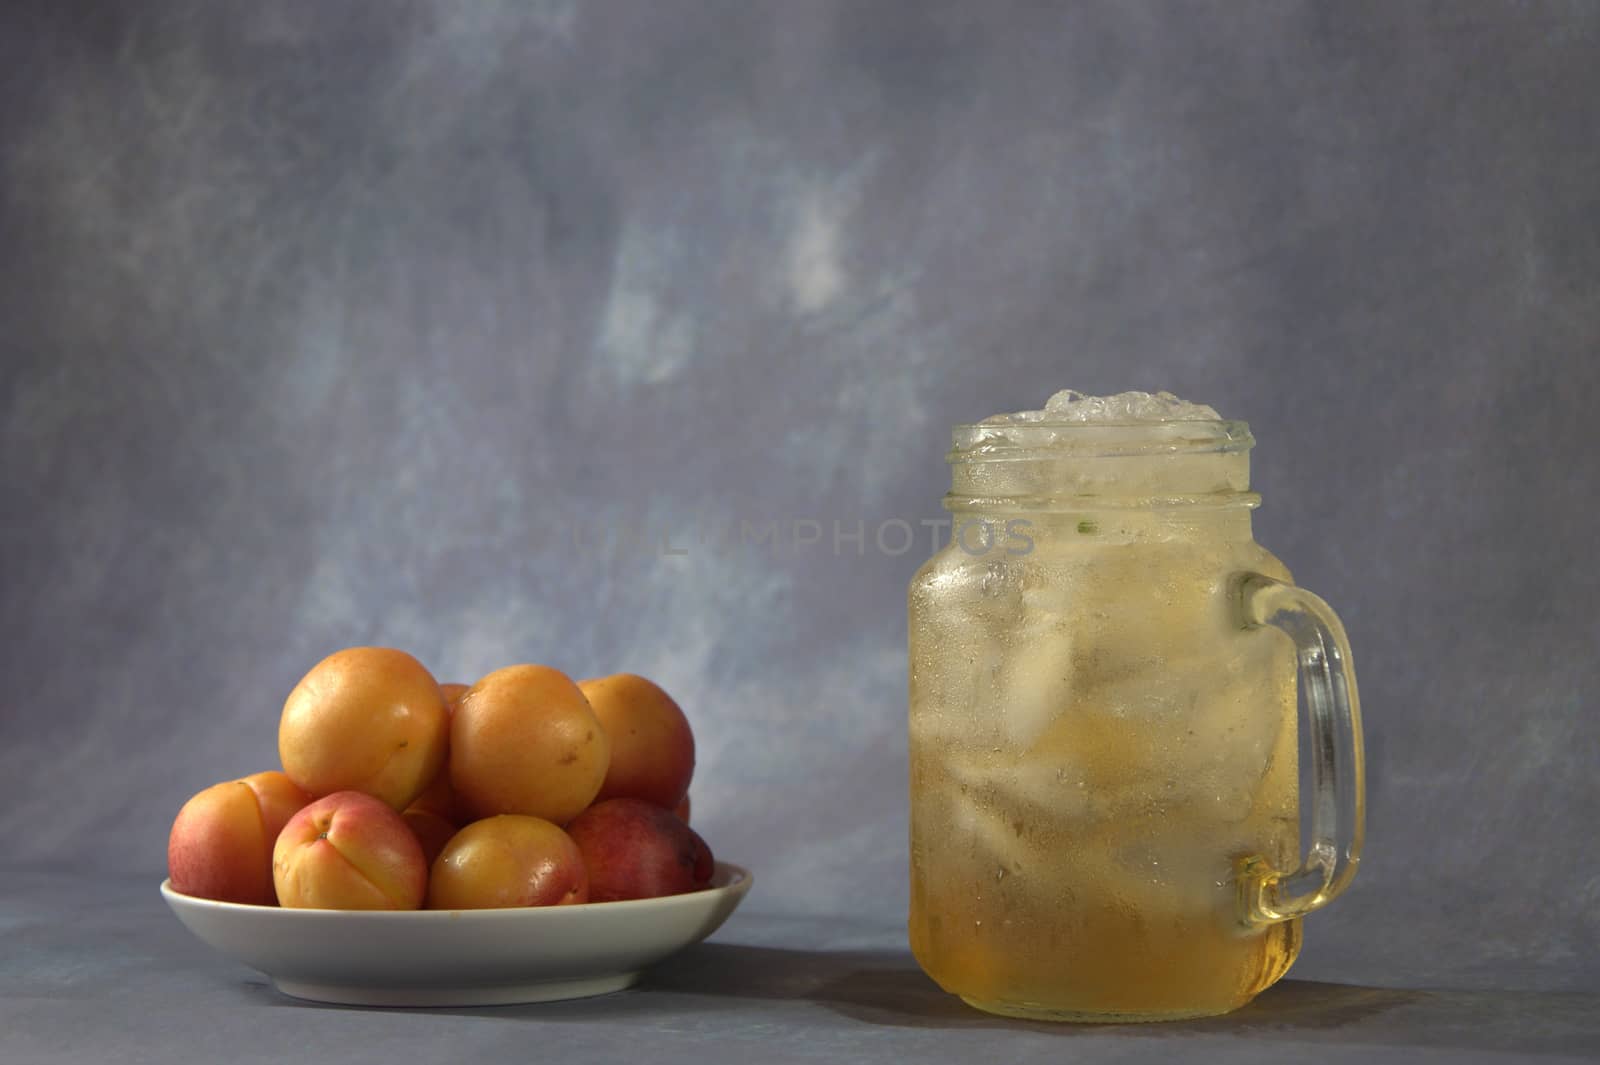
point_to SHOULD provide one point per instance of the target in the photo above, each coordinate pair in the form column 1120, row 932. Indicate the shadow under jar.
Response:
column 1105, row 808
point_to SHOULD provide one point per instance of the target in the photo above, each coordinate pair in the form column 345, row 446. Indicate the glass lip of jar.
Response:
column 957, row 502
column 1044, row 440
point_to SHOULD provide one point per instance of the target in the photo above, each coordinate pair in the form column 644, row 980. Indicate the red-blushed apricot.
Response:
column 636, row 850
column 220, row 846
column 349, row 851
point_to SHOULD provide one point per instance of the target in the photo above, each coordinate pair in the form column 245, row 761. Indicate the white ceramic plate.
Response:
column 460, row 957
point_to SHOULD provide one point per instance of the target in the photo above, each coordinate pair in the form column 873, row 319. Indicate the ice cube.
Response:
column 1035, row 676
column 1071, row 406
column 1236, row 729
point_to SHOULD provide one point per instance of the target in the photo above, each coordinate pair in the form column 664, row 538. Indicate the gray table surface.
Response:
column 95, row 969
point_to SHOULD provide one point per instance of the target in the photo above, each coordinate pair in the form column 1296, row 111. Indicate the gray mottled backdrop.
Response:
column 328, row 323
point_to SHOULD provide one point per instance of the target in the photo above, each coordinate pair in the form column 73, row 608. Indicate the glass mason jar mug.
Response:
column 1105, row 812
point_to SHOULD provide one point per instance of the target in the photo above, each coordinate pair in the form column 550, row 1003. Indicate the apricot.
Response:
column 636, row 850
column 280, row 799
column 349, row 851
column 431, row 830
column 523, row 740
column 368, row 719
column 652, row 749
column 220, row 846
column 434, row 816
column 440, row 798
column 508, row 860
column 682, row 810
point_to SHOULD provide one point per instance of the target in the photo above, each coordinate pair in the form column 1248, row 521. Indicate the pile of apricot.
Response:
column 398, row 793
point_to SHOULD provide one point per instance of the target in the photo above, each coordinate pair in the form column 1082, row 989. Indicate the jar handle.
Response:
column 1338, row 774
